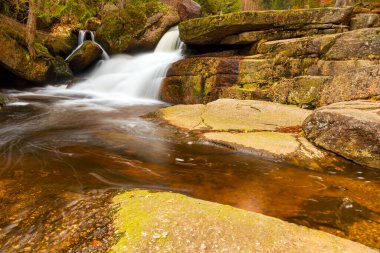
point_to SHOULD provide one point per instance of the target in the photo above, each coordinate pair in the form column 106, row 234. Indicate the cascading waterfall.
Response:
column 81, row 39
column 139, row 77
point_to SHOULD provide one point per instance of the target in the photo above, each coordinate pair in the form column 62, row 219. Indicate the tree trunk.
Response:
column 31, row 27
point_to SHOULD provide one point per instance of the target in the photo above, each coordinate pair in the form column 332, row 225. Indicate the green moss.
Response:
column 42, row 51
column 120, row 26
column 211, row 7
column 3, row 100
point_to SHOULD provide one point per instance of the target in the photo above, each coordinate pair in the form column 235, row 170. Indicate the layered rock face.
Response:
column 315, row 58
column 294, row 57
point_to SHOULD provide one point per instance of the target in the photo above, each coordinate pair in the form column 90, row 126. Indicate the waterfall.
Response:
column 81, row 39
column 170, row 41
column 134, row 77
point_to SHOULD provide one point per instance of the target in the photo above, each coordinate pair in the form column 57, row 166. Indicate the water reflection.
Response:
column 63, row 158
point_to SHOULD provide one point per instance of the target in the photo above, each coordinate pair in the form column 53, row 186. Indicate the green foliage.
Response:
column 120, row 26
column 210, row 7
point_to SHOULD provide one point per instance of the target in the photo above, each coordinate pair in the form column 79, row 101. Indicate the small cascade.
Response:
column 139, row 77
column 82, row 38
column 170, row 41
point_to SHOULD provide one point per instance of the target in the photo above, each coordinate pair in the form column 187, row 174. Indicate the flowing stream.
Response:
column 66, row 152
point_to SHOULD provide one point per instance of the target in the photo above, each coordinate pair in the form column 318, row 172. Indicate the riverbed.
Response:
column 65, row 154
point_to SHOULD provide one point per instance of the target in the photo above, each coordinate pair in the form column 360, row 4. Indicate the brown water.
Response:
column 63, row 158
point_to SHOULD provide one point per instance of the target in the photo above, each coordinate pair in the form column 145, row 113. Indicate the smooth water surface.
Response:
column 64, row 154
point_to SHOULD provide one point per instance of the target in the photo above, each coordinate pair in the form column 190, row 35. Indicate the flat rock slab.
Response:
column 169, row 222
column 235, row 115
column 350, row 129
column 211, row 30
column 274, row 145
column 265, row 129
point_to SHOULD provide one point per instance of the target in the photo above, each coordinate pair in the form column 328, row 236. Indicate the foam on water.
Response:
column 125, row 79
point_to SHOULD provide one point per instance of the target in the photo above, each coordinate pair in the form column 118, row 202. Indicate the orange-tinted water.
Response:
column 60, row 165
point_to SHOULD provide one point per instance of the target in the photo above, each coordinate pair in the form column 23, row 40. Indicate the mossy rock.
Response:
column 84, row 56
column 170, row 222
column 212, row 30
column 212, row 7
column 3, row 100
column 139, row 26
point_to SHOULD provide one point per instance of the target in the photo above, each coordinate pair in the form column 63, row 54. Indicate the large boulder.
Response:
column 187, row 9
column 170, row 222
column 212, row 30
column 350, row 129
column 15, row 57
column 139, row 26
column 84, row 56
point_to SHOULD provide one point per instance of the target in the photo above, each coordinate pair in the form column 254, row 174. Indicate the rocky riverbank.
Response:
column 310, row 58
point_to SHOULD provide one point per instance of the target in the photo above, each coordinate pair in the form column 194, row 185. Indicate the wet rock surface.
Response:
column 350, row 129
column 151, row 222
column 87, row 54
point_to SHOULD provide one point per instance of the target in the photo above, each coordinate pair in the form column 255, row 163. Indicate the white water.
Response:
column 82, row 37
column 124, row 79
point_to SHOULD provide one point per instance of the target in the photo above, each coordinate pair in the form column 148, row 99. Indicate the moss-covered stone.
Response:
column 307, row 90
column 211, row 30
column 219, row 7
column 140, row 25
column 16, row 59
column 84, row 56
column 3, row 100
column 169, row 222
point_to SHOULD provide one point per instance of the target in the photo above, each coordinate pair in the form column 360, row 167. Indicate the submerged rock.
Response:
column 350, row 129
column 84, row 56
column 169, row 222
